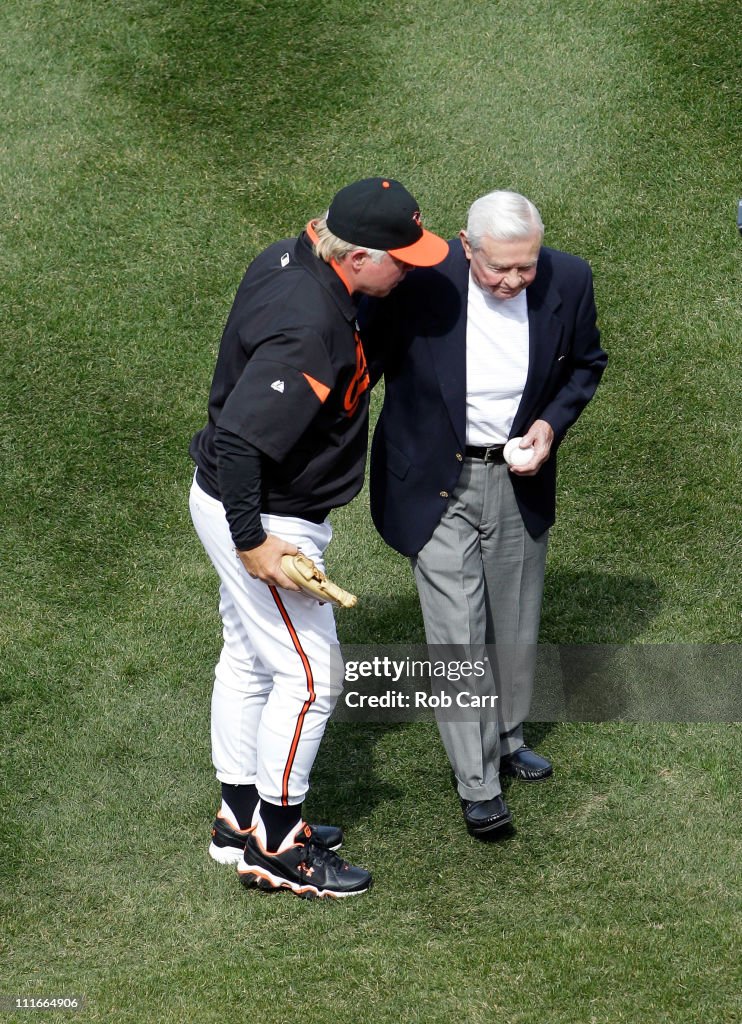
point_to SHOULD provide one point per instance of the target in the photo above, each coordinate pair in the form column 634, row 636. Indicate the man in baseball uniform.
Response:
column 285, row 443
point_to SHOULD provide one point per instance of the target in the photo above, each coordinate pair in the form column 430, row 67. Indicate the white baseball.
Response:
column 516, row 456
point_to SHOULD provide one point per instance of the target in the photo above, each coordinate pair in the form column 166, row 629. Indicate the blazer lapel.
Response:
column 544, row 337
column 448, row 351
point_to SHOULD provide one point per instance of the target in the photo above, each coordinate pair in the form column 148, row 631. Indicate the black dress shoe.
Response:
column 526, row 765
column 485, row 816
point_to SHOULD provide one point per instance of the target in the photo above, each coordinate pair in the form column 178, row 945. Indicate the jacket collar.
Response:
column 330, row 276
column 545, row 330
column 540, row 296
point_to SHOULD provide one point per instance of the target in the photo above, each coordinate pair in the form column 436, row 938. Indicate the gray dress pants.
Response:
column 480, row 579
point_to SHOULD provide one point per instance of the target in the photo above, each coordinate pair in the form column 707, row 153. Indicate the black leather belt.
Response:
column 491, row 453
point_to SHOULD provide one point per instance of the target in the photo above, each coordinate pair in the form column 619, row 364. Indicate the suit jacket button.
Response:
column 444, row 494
column 459, row 457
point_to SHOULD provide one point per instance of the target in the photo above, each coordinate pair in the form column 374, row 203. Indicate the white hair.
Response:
column 329, row 247
column 503, row 216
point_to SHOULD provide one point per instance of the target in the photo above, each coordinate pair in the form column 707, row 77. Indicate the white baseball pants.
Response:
column 275, row 685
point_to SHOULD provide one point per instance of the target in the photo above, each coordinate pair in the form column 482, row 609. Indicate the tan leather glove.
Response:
column 313, row 581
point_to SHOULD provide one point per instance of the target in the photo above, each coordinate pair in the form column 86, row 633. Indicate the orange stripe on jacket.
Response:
column 321, row 390
column 307, row 703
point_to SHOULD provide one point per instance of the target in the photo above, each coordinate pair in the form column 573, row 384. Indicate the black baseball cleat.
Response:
column 485, row 817
column 305, row 869
column 228, row 842
column 525, row 764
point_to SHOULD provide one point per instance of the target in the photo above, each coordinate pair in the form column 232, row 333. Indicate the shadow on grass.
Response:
column 585, row 615
column 251, row 81
column 580, row 608
column 596, row 607
column 345, row 785
column 383, row 619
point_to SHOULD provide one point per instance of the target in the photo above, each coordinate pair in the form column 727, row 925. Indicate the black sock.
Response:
column 278, row 822
column 242, row 801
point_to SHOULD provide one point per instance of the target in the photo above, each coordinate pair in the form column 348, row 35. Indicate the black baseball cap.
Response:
column 381, row 214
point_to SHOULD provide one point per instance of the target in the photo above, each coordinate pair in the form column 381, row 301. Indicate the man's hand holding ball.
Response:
column 526, row 455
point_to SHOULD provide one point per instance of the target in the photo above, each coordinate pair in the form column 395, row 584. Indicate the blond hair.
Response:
column 329, row 247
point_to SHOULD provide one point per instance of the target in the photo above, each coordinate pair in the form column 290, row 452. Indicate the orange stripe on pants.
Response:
column 307, row 703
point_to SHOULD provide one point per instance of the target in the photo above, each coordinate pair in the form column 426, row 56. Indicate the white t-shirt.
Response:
column 496, row 364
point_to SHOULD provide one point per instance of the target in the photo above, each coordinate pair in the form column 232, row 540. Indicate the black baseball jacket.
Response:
column 290, row 388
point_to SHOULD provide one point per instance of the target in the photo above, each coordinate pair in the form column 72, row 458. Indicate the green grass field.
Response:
column 147, row 151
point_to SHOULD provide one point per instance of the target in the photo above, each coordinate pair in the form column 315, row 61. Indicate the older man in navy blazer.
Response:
column 498, row 341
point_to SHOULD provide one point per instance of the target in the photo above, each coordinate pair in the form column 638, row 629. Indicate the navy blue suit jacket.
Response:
column 417, row 338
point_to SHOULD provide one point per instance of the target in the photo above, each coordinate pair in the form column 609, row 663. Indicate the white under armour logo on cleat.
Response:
column 278, row 385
